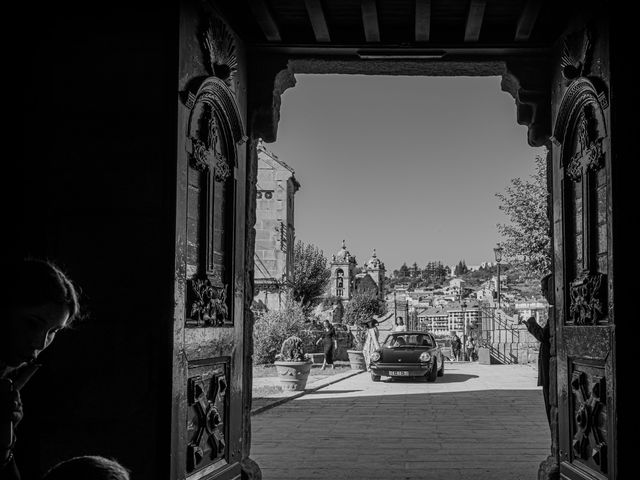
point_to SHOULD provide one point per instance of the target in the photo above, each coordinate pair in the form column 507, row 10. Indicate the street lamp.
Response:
column 395, row 307
column 463, row 305
column 498, row 252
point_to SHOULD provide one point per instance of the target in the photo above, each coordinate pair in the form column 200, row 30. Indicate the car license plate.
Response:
column 398, row 373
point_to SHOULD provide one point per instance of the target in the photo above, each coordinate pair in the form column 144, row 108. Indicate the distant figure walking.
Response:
column 456, row 345
column 470, row 347
column 329, row 343
column 371, row 344
column 400, row 326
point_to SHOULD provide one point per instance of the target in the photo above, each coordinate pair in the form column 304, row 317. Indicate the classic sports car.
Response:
column 408, row 354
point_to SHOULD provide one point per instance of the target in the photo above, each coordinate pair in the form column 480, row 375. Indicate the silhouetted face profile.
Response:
column 36, row 301
column 31, row 329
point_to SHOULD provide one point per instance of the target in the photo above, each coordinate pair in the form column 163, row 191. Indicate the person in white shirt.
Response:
column 372, row 342
column 400, row 326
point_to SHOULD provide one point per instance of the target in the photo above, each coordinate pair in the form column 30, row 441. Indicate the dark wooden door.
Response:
column 207, row 384
column 586, row 386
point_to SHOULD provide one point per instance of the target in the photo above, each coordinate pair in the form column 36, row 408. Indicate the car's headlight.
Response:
column 375, row 356
column 425, row 356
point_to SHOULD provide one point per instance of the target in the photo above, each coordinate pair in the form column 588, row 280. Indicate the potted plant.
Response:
column 356, row 357
column 293, row 364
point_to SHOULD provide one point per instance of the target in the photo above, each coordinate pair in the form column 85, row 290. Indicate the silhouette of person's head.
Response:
column 87, row 468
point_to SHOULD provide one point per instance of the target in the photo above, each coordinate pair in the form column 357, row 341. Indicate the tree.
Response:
column 404, row 270
column 310, row 273
column 461, row 268
column 362, row 307
column 527, row 240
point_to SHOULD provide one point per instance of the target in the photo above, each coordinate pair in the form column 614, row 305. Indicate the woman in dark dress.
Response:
column 329, row 343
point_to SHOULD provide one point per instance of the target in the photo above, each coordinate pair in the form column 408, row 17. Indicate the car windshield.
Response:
column 408, row 340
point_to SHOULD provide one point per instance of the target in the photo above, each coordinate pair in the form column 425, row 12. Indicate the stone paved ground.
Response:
column 480, row 422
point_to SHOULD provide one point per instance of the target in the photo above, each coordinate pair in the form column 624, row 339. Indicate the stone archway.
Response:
column 527, row 80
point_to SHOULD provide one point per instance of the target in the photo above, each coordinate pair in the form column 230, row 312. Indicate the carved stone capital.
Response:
column 200, row 155
column 588, row 298
column 270, row 77
column 528, row 81
column 577, row 53
column 222, row 170
column 208, row 305
column 219, row 48
column 589, row 154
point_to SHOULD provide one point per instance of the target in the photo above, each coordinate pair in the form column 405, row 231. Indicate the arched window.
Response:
column 339, row 282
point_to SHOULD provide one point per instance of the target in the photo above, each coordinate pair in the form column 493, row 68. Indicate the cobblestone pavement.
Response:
column 480, row 422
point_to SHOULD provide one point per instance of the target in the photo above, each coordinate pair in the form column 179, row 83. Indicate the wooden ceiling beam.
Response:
column 423, row 20
column 492, row 52
column 370, row 20
column 318, row 20
column 527, row 20
column 266, row 21
column 474, row 20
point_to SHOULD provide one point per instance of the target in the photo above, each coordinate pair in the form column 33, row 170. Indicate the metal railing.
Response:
column 496, row 330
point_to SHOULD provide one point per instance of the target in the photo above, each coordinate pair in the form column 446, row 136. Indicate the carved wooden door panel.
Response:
column 585, row 324
column 209, row 295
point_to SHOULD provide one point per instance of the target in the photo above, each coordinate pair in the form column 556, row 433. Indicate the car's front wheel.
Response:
column 441, row 371
column 375, row 378
column 433, row 373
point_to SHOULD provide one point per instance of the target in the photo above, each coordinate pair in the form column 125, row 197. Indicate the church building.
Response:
column 275, row 232
column 346, row 281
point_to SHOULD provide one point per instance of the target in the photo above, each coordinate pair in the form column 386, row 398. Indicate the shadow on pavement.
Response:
column 331, row 392
column 474, row 435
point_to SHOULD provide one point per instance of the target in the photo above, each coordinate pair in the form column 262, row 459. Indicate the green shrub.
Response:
column 274, row 327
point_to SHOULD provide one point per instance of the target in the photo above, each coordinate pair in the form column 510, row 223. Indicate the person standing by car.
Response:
column 329, row 343
column 400, row 326
column 456, row 345
column 371, row 344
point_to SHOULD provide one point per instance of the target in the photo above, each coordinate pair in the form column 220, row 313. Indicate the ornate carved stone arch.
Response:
column 215, row 93
column 580, row 131
column 581, row 94
column 582, row 187
column 214, row 133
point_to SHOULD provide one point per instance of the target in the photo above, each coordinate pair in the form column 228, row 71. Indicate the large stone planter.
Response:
column 293, row 375
column 356, row 360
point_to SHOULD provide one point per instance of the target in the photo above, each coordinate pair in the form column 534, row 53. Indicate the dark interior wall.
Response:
column 94, row 191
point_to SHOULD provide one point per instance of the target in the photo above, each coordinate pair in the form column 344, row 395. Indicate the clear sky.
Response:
column 407, row 165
